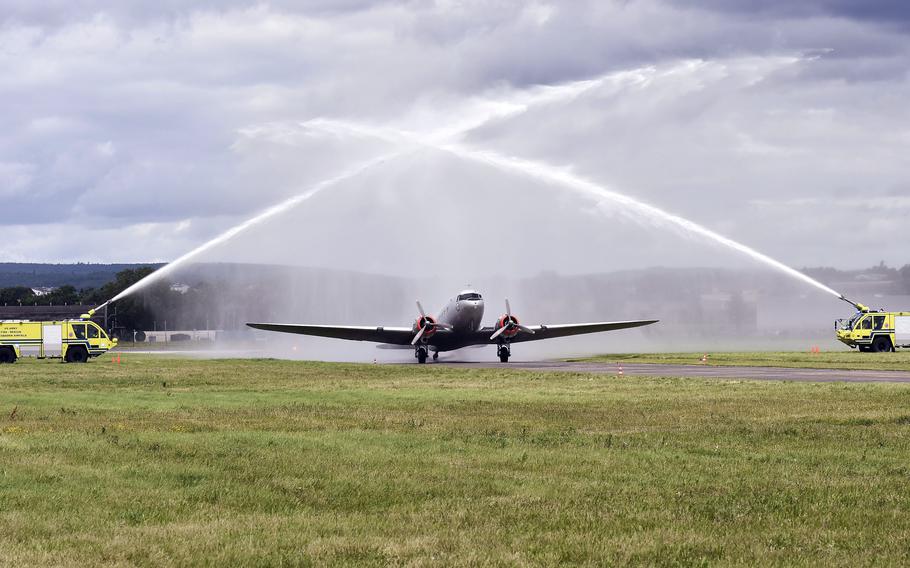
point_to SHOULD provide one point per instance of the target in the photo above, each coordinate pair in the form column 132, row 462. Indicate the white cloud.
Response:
column 15, row 178
column 133, row 115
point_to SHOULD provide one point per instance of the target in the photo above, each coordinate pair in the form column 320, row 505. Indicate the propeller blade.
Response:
column 526, row 329
column 445, row 326
column 420, row 308
column 508, row 309
column 497, row 333
column 418, row 336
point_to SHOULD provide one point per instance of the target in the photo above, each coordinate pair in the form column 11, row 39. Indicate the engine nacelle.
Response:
column 511, row 325
column 428, row 324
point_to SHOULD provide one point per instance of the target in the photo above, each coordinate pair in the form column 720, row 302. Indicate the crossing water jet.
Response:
column 487, row 110
column 548, row 173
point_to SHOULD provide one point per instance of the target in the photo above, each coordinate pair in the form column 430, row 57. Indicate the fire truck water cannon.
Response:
column 857, row 305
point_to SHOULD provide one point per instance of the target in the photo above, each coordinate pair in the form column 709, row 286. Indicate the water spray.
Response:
column 252, row 222
column 537, row 170
column 563, row 178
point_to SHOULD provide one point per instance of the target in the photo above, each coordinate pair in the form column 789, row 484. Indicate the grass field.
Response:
column 259, row 462
column 899, row 361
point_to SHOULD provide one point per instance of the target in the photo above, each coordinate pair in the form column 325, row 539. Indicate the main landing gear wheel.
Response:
column 503, row 353
column 421, row 354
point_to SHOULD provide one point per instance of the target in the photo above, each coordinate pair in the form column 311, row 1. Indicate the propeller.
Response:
column 508, row 324
column 426, row 325
column 418, row 336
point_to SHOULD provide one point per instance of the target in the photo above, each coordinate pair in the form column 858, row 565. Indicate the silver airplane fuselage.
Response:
column 464, row 313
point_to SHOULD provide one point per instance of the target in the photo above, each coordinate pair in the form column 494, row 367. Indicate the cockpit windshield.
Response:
column 470, row 296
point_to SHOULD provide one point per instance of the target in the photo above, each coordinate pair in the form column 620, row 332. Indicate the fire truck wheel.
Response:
column 881, row 344
column 76, row 355
column 7, row 355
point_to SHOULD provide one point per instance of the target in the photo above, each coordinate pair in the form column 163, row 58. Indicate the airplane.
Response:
column 457, row 326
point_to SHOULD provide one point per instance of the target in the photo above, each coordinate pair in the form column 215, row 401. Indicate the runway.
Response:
column 699, row 371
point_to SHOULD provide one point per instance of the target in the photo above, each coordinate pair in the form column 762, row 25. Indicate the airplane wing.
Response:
column 390, row 335
column 561, row 330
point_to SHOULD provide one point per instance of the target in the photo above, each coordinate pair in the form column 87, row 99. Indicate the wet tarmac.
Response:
column 698, row 371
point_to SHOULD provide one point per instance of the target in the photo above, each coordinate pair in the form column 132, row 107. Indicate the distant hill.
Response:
column 80, row 275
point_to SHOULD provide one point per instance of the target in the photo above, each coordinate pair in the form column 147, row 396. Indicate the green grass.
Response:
column 899, row 361
column 258, row 462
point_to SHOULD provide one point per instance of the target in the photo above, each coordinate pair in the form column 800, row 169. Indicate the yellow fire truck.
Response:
column 73, row 341
column 871, row 330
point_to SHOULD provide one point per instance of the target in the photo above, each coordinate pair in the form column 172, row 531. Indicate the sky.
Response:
column 136, row 131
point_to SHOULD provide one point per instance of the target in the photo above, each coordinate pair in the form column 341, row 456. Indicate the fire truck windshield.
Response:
column 848, row 324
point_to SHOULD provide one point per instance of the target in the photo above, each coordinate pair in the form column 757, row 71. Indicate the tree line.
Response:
column 69, row 295
column 154, row 307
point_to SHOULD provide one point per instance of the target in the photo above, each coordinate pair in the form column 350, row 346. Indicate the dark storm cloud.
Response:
column 889, row 12
column 856, row 40
column 63, row 12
